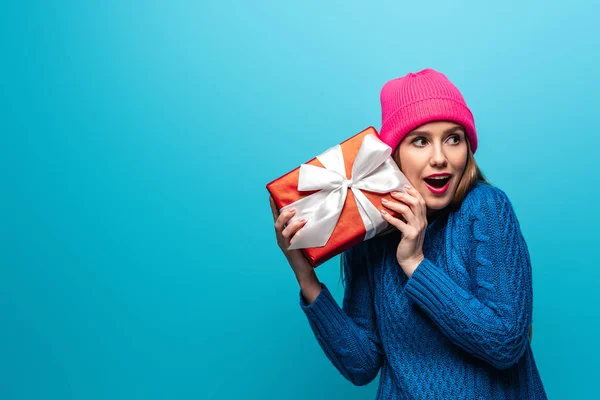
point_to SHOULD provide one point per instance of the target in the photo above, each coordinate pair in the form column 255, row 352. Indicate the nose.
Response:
column 438, row 158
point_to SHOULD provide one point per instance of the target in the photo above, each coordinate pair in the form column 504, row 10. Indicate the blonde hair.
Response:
column 471, row 175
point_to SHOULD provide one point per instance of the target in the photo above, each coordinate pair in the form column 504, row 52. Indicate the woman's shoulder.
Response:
column 367, row 247
column 483, row 196
column 486, row 202
column 370, row 252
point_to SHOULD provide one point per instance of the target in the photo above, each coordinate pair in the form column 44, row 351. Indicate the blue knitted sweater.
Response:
column 457, row 329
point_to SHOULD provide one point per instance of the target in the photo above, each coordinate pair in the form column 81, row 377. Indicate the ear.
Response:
column 396, row 156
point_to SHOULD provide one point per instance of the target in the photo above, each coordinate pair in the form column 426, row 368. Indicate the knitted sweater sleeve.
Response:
column 348, row 335
column 491, row 320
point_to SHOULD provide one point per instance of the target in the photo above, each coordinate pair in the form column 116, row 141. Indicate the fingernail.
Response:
column 407, row 187
column 384, row 200
column 383, row 211
column 396, row 193
column 302, row 220
column 291, row 210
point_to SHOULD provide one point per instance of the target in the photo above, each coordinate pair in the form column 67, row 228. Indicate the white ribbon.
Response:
column 373, row 170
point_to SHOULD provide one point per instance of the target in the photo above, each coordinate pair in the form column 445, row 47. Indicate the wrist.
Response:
column 409, row 266
column 307, row 280
column 310, row 287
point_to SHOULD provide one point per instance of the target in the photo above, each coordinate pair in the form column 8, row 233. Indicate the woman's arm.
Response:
column 348, row 335
column 493, row 323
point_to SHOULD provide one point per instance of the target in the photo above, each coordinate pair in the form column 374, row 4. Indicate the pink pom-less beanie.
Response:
column 418, row 98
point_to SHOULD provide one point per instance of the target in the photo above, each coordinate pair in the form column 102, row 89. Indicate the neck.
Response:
column 431, row 215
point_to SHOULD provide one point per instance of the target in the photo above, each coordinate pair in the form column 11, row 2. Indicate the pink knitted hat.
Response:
column 418, row 98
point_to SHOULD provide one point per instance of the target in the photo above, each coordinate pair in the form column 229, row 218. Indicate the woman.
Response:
column 442, row 307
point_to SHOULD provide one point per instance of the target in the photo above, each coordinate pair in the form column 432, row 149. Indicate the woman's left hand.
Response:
column 413, row 208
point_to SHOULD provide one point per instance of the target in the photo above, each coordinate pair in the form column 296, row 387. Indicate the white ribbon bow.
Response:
column 373, row 170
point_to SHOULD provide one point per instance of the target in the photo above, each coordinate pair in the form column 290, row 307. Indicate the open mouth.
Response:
column 438, row 182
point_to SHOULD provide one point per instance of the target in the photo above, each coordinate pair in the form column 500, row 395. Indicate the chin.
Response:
column 438, row 204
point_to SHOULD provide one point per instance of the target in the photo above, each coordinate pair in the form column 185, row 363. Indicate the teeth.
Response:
column 439, row 177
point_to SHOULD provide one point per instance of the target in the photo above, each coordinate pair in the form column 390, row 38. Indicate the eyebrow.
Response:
column 447, row 131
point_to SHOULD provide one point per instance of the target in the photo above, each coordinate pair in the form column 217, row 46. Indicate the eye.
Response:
column 455, row 137
column 416, row 140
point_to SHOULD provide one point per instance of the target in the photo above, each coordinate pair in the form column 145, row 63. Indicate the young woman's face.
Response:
column 436, row 148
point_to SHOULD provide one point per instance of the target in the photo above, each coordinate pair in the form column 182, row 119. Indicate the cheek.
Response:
column 460, row 164
column 413, row 177
column 410, row 167
column 458, row 160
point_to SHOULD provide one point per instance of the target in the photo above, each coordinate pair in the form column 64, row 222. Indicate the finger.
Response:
column 292, row 227
column 274, row 209
column 398, row 223
column 296, row 235
column 283, row 218
column 406, row 198
column 420, row 200
column 403, row 209
column 410, row 200
column 414, row 192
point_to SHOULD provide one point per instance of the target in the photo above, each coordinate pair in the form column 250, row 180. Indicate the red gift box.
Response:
column 350, row 227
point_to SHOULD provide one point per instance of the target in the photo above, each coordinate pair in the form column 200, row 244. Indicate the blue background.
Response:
column 138, row 258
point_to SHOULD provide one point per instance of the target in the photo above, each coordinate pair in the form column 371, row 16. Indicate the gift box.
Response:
column 339, row 193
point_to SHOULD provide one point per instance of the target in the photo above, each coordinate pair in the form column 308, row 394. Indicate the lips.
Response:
column 438, row 183
column 438, row 180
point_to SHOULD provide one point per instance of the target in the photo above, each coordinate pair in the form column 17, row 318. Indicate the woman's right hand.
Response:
column 305, row 273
